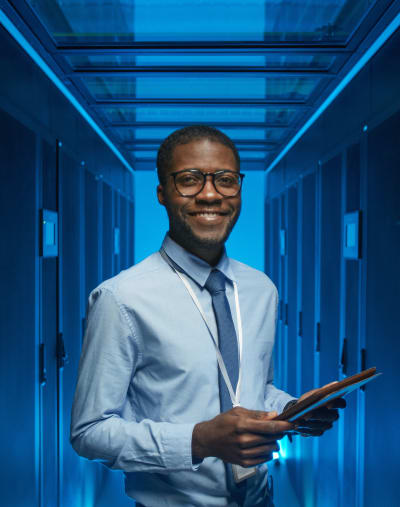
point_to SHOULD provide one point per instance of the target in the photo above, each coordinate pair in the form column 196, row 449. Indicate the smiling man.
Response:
column 201, row 194
column 175, row 382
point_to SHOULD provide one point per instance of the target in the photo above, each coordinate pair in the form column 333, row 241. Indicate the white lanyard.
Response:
column 235, row 396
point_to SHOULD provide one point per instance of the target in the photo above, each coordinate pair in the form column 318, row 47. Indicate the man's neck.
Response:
column 211, row 255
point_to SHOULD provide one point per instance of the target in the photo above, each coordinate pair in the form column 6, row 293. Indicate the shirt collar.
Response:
column 198, row 269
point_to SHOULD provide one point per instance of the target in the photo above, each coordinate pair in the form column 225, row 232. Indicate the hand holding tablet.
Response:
column 324, row 395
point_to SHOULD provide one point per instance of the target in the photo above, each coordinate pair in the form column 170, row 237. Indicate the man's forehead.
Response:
column 204, row 151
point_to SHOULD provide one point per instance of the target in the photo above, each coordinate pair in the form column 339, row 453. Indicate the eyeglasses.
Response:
column 191, row 182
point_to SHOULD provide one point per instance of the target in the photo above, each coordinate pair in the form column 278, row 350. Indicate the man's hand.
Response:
column 321, row 419
column 240, row 436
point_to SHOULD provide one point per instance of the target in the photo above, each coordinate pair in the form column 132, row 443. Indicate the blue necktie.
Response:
column 227, row 341
column 228, row 347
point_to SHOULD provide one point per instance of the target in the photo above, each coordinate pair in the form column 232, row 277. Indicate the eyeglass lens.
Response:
column 191, row 182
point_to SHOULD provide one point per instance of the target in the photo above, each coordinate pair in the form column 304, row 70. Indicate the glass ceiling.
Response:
column 200, row 20
column 256, row 69
column 151, row 155
column 271, row 61
column 281, row 116
column 130, row 134
column 200, row 87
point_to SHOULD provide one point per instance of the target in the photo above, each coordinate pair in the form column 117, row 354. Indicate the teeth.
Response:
column 207, row 214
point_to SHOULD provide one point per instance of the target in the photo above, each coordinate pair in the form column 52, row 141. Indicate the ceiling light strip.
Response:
column 15, row 33
column 375, row 46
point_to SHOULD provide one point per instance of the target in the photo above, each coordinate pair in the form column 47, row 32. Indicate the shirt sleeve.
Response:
column 275, row 399
column 99, row 430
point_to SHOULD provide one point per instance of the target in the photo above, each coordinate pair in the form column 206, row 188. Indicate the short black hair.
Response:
column 186, row 135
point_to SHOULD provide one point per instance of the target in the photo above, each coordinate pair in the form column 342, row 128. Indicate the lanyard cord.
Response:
column 235, row 397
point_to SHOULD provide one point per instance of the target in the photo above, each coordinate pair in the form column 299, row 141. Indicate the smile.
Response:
column 207, row 218
column 207, row 214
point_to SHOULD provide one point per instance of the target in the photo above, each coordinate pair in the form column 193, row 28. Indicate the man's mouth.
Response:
column 207, row 213
column 208, row 217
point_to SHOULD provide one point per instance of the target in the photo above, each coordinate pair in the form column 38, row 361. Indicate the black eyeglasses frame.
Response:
column 213, row 175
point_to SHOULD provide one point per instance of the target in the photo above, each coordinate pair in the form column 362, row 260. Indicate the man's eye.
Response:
column 188, row 180
column 227, row 181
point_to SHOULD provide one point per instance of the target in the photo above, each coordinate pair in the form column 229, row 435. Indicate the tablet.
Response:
column 327, row 393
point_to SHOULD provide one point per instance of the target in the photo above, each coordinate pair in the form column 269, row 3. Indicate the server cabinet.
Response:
column 131, row 232
column 382, row 343
column 117, row 232
column 281, row 331
column 19, row 315
column 49, row 318
column 349, row 352
column 306, row 319
column 306, row 323
column 93, row 232
column 268, row 245
column 290, row 318
column 291, row 290
column 108, row 227
column 72, row 220
column 328, row 328
column 274, row 239
column 124, row 233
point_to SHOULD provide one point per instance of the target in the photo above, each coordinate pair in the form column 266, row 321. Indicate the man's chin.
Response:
column 209, row 241
column 191, row 238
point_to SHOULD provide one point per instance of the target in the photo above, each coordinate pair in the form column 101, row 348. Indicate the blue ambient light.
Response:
column 14, row 32
column 281, row 454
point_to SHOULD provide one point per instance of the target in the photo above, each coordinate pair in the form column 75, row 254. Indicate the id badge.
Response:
column 241, row 473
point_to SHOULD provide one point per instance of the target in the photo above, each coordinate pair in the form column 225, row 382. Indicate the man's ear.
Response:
column 160, row 194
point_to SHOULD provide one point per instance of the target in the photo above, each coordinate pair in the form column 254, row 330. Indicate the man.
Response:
column 175, row 341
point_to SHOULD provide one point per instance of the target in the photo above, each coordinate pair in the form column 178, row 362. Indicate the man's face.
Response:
column 205, row 220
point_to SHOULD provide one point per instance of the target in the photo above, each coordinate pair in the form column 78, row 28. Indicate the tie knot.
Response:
column 215, row 282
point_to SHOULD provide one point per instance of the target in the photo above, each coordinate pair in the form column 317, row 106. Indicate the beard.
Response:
column 182, row 232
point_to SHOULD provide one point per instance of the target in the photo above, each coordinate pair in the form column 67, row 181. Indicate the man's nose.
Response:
column 209, row 191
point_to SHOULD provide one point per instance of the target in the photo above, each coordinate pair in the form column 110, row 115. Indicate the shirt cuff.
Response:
column 177, row 444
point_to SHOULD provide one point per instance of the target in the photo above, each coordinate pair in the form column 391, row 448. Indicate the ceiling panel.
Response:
column 270, row 61
column 178, row 115
column 200, row 20
column 130, row 134
column 199, row 87
column 145, row 155
column 252, row 155
column 151, row 155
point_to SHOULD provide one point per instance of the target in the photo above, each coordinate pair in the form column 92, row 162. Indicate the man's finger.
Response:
column 251, row 462
column 254, row 440
column 260, row 451
column 323, row 414
column 306, row 432
column 260, row 415
column 337, row 403
column 264, row 427
column 314, row 425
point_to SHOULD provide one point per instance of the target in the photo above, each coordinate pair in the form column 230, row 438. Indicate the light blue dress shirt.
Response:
column 148, row 373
